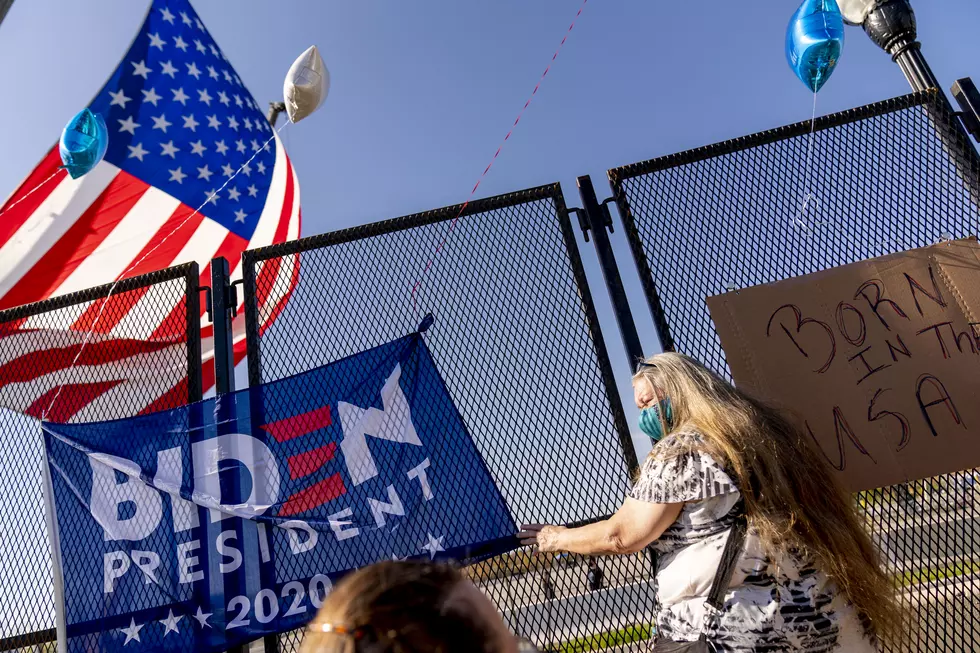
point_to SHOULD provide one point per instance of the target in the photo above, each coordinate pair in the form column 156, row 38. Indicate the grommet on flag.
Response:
column 427, row 321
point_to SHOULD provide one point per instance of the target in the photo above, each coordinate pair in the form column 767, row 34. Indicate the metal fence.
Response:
column 38, row 343
column 517, row 341
column 883, row 178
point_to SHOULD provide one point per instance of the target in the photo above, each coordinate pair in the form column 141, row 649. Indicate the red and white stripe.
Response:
column 69, row 235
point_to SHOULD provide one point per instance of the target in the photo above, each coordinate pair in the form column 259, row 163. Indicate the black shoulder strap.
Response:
column 729, row 558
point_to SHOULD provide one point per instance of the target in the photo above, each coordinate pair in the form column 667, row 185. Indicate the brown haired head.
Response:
column 407, row 607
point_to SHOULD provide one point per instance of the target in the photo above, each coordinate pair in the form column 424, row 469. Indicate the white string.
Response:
column 112, row 288
column 31, row 191
column 807, row 175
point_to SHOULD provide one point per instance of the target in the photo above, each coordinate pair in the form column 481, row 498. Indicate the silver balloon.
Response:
column 306, row 85
column 855, row 11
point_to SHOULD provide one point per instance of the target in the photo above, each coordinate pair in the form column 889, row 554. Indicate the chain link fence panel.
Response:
column 517, row 341
column 871, row 181
column 38, row 343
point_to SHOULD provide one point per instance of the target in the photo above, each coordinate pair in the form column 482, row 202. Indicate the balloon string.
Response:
column 91, row 330
column 32, row 191
column 462, row 209
column 807, row 174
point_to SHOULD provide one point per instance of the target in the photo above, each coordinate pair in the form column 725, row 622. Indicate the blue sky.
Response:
column 423, row 92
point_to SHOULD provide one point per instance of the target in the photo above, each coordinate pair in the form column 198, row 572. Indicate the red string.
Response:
column 452, row 225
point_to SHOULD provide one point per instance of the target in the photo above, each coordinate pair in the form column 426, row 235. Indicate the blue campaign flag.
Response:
column 210, row 525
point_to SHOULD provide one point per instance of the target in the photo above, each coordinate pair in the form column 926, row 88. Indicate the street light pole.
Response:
column 275, row 108
column 4, row 8
column 891, row 25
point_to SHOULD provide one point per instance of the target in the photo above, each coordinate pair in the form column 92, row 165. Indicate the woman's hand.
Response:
column 545, row 537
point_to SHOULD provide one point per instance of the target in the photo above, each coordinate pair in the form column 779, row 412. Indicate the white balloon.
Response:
column 306, row 85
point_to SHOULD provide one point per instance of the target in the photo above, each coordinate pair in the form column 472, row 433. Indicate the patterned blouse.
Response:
column 794, row 608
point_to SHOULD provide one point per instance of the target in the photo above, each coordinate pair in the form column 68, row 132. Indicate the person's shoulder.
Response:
column 682, row 442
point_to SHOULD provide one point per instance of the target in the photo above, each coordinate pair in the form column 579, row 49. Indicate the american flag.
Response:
column 181, row 124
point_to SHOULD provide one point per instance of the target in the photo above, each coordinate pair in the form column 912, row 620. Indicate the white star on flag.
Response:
column 169, row 69
column 223, row 98
column 240, row 146
column 160, row 122
column 190, row 123
column 433, row 546
column 180, row 96
column 253, row 191
column 232, row 122
column 133, row 632
column 234, row 193
column 193, row 70
column 221, row 147
column 240, row 215
column 151, row 96
column 200, row 46
column 212, row 196
column 197, row 148
column 261, row 167
column 177, row 175
column 187, row 19
column 214, row 122
column 169, row 149
column 204, row 173
column 181, row 44
column 137, row 151
column 139, row 68
column 119, row 99
column 227, row 170
column 212, row 73
column 128, row 125
column 170, row 623
column 156, row 41
column 202, row 617
column 204, row 97
column 167, row 16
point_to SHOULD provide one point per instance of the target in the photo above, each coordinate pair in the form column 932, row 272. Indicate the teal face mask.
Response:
column 650, row 422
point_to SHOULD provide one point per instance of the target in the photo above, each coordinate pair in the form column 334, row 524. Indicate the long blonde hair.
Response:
column 792, row 498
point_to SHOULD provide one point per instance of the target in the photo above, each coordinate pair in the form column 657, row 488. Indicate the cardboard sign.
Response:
column 878, row 360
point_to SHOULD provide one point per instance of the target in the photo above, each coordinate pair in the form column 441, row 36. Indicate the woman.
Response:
column 409, row 607
column 808, row 578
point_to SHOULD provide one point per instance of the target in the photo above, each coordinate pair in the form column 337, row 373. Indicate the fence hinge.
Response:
column 208, row 301
column 233, row 296
column 583, row 221
column 606, row 215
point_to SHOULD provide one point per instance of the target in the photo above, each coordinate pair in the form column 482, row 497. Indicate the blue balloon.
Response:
column 814, row 41
column 83, row 143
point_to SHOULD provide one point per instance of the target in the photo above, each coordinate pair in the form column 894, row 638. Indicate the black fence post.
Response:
column 598, row 218
column 224, row 304
column 224, row 356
